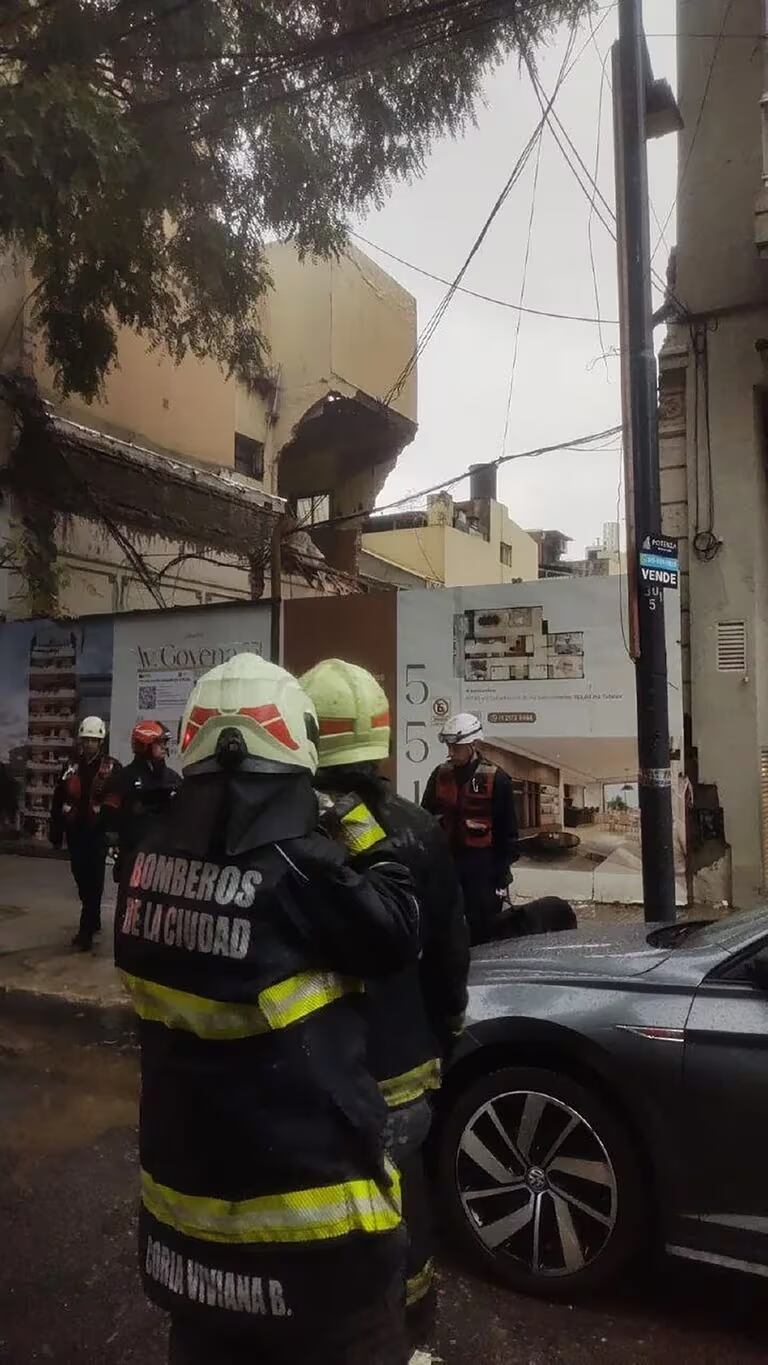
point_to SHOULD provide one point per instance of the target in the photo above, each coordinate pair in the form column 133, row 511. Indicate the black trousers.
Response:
column 373, row 1335
column 87, row 859
column 406, row 1133
column 478, row 882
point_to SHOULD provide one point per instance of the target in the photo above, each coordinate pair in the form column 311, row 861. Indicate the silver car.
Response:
column 611, row 1090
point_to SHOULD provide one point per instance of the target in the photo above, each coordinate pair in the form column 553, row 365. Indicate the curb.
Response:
column 114, row 1023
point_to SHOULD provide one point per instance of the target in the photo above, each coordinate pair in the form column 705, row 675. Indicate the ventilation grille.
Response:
column 731, row 647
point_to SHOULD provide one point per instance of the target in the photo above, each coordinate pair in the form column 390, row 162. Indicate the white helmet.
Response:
column 461, row 729
column 92, row 727
column 248, row 715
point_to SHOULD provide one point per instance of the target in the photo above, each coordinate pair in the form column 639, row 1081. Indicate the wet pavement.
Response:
column 69, row 1290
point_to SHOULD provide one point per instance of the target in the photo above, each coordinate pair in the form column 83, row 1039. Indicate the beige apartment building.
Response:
column 168, row 488
column 456, row 544
column 713, row 413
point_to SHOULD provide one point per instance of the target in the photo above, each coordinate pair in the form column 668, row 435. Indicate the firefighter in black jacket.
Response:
column 415, row 1015
column 270, row 1225
column 475, row 804
column 81, row 811
column 144, row 788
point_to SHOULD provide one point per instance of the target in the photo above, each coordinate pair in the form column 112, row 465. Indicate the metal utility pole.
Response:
column 630, row 87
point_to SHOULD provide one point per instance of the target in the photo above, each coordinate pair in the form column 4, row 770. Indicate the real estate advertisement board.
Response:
column 545, row 665
column 160, row 655
column 126, row 668
column 53, row 674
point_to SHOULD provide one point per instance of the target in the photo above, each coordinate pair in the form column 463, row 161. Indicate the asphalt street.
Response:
column 69, row 1290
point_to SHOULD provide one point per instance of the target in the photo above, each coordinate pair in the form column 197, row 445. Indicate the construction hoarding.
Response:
column 545, row 665
column 122, row 668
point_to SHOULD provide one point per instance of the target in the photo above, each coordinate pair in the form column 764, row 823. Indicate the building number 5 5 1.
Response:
column 416, row 743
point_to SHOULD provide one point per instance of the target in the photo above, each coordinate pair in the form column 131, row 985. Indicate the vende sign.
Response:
column 659, row 565
column 665, row 578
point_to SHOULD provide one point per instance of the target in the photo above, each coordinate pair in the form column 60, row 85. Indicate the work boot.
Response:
column 83, row 941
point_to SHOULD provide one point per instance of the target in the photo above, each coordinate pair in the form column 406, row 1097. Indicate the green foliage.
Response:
column 617, row 803
column 149, row 148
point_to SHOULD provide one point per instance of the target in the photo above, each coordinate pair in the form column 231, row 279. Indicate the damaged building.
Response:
column 178, row 486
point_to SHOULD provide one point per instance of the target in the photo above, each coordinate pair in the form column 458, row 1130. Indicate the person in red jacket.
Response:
column 80, row 813
column 474, row 802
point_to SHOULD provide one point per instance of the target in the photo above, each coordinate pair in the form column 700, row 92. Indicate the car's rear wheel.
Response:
column 541, row 1183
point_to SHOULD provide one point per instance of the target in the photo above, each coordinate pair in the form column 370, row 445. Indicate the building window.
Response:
column 505, row 555
column 314, row 510
column 249, row 456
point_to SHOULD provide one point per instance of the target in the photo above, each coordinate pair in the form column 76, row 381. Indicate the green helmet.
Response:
column 352, row 712
column 248, row 715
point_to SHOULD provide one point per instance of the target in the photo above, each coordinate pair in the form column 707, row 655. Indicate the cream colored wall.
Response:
column 525, row 551
column 470, row 560
column 423, row 550
column 336, row 326
column 190, row 409
column 343, row 325
column 373, row 330
column 718, row 268
column 457, row 559
column 299, row 330
column 14, row 286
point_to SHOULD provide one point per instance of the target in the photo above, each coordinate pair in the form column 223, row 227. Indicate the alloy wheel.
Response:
column 536, row 1183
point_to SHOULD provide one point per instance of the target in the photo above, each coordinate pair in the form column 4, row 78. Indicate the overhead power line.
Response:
column 434, row 322
column 442, row 308
column 345, row 53
column 584, row 444
column 484, row 298
column 523, row 283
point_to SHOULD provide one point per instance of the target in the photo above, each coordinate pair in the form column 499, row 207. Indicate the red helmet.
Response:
column 146, row 735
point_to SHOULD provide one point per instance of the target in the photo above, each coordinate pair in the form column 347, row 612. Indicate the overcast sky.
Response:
column 562, row 388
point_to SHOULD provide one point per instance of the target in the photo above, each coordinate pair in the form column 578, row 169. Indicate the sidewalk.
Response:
column 39, row 913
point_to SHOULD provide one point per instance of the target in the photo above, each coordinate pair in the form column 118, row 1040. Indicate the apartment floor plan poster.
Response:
column 515, row 644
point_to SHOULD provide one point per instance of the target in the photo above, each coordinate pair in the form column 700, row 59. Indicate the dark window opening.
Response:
column 249, row 456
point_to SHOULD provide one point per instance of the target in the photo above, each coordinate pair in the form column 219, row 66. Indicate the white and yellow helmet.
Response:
column 248, row 715
column 92, row 727
column 352, row 712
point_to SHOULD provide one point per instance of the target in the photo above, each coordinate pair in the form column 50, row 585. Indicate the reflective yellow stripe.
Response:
column 211, row 1019
column 278, row 1006
column 289, row 1001
column 300, row 1216
column 418, row 1286
column 412, row 1084
column 361, row 830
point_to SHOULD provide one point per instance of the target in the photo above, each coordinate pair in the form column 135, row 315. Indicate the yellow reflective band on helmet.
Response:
column 289, row 1001
column 412, row 1084
column 418, row 1286
column 361, row 830
column 278, row 1006
column 299, row 1216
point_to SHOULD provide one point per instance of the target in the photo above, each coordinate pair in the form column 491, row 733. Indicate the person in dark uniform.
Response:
column 144, row 788
column 83, row 804
column 474, row 802
column 270, row 1227
column 414, row 1016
